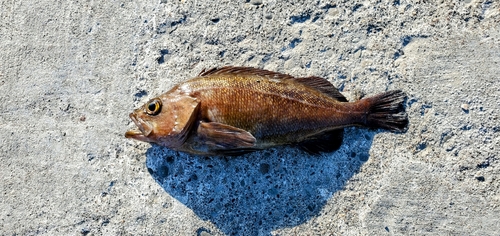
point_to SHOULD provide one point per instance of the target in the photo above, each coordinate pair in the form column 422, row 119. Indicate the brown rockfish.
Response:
column 235, row 110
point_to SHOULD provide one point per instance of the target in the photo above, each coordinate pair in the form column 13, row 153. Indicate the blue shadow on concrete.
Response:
column 259, row 192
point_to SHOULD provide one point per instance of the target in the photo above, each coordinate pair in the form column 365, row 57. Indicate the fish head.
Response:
column 164, row 120
column 147, row 119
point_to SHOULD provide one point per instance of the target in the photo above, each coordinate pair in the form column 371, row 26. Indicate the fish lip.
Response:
column 144, row 128
column 133, row 133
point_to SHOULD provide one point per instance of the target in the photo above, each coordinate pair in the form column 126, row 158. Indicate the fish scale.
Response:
column 245, row 104
column 234, row 110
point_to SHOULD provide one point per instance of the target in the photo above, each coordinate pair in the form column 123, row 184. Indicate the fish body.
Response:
column 234, row 110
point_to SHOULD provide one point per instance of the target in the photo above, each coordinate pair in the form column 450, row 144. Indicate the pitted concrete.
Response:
column 72, row 71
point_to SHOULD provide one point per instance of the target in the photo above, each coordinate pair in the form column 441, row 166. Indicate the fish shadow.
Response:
column 259, row 192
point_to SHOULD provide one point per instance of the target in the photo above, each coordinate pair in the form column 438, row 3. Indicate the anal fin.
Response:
column 328, row 141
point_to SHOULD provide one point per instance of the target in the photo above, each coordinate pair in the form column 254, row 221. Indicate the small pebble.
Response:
column 465, row 107
column 205, row 233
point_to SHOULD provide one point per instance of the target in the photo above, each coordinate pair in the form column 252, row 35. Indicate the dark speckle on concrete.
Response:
column 264, row 168
column 85, row 231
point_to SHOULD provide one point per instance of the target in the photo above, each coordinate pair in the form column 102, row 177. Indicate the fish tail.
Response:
column 387, row 111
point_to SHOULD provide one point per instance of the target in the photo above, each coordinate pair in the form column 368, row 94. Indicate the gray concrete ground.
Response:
column 71, row 71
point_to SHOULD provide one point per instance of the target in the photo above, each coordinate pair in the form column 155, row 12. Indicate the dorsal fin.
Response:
column 314, row 82
column 323, row 86
column 244, row 71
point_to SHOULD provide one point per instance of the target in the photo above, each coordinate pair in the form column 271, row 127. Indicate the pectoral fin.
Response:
column 225, row 137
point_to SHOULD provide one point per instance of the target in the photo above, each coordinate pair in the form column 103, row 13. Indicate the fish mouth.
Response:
column 133, row 133
column 142, row 131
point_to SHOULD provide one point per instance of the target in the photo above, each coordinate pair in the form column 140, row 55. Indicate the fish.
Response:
column 231, row 111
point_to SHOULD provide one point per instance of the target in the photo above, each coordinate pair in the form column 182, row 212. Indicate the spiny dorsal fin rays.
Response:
column 314, row 82
column 231, row 70
column 323, row 86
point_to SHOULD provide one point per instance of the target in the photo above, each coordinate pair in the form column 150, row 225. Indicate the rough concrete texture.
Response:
column 71, row 71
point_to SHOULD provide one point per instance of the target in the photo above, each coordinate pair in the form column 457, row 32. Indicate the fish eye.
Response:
column 153, row 107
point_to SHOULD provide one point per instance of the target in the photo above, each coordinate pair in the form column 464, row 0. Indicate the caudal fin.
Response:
column 387, row 111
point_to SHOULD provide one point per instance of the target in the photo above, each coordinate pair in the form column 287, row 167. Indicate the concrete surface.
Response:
column 71, row 71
